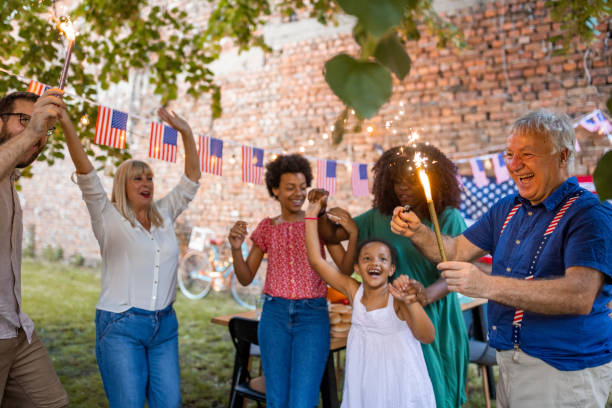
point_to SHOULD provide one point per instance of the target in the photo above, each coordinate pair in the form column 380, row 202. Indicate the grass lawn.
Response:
column 61, row 300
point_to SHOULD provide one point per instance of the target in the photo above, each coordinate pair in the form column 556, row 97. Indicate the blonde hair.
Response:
column 127, row 170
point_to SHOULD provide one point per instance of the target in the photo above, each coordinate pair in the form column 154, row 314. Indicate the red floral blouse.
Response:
column 289, row 274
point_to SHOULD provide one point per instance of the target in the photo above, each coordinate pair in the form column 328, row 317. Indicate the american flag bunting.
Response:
column 499, row 166
column 252, row 164
column 326, row 175
column 37, row 87
column 211, row 155
column 480, row 176
column 359, row 180
column 111, row 127
column 163, row 142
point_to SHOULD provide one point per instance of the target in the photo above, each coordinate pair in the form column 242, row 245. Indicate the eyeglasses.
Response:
column 24, row 118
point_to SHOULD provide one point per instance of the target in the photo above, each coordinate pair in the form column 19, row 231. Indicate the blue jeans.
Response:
column 294, row 343
column 137, row 354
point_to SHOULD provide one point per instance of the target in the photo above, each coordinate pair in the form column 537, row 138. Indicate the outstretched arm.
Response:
column 412, row 311
column 342, row 283
column 344, row 219
column 409, row 225
column 192, row 161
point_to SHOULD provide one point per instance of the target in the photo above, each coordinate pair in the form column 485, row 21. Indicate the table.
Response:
column 329, row 384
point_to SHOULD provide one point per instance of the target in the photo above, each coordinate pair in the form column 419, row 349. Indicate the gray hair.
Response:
column 554, row 126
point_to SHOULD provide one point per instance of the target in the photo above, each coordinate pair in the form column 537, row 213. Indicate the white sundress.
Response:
column 384, row 362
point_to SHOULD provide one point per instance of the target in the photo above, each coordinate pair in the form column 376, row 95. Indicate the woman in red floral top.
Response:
column 294, row 325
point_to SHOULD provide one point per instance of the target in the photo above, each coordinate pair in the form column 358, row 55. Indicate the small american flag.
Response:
column 252, row 164
column 111, row 127
column 359, row 179
column 326, row 175
column 480, row 177
column 211, row 155
column 476, row 201
column 37, row 87
column 586, row 182
column 501, row 171
column 163, row 142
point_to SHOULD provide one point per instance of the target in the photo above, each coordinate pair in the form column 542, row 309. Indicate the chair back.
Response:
column 244, row 333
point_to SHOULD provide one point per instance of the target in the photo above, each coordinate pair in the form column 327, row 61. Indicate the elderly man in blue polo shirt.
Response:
column 552, row 273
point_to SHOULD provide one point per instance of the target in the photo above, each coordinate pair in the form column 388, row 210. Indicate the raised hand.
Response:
column 237, row 234
column 47, row 111
column 174, row 120
column 317, row 201
column 403, row 290
column 405, row 223
column 319, row 194
column 343, row 218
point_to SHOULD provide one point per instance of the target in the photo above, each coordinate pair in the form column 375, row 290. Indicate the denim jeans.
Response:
column 137, row 354
column 294, row 343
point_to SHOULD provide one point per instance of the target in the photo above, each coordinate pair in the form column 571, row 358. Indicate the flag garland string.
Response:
column 595, row 121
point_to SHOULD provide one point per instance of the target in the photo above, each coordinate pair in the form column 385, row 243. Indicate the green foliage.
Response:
column 602, row 177
column 53, row 254
column 114, row 37
column 578, row 18
column 351, row 80
column 391, row 53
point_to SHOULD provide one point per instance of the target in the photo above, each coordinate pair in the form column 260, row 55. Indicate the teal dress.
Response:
column 448, row 356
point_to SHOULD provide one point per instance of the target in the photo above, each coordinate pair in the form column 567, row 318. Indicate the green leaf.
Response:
column 377, row 16
column 602, row 177
column 391, row 53
column 364, row 86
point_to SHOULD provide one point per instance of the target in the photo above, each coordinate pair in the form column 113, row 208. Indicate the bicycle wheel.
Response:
column 246, row 296
column 192, row 277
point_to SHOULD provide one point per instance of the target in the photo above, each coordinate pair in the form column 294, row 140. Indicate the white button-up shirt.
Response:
column 138, row 267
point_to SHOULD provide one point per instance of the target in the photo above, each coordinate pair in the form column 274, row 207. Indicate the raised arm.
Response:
column 75, row 148
column 46, row 112
column 457, row 248
column 245, row 270
column 342, row 217
column 192, row 162
column 342, row 283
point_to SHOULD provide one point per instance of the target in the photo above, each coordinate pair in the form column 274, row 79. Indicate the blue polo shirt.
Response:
column 583, row 237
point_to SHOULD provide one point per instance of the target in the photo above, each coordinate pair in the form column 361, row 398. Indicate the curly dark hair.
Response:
column 292, row 163
column 397, row 163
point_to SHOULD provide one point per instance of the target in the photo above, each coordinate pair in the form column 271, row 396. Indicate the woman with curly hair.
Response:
column 396, row 183
column 294, row 325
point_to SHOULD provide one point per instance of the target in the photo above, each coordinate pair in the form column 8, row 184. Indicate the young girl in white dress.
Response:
column 384, row 361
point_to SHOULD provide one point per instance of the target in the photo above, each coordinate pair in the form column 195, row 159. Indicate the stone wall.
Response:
column 461, row 100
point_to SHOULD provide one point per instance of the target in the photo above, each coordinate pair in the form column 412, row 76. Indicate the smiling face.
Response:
column 408, row 190
column 291, row 192
column 374, row 264
column 139, row 188
column 535, row 168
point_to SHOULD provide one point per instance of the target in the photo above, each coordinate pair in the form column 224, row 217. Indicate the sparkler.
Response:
column 64, row 25
column 432, row 211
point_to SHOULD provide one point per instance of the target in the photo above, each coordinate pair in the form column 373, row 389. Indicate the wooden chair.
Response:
column 244, row 334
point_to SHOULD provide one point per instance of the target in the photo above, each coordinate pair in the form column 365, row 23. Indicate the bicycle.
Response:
column 208, row 265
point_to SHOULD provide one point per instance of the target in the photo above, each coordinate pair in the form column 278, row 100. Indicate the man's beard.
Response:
column 5, row 137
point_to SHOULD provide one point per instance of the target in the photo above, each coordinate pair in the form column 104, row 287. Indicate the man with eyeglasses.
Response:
column 27, row 377
column 551, row 279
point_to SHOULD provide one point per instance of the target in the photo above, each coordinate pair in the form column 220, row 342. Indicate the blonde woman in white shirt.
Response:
column 136, row 326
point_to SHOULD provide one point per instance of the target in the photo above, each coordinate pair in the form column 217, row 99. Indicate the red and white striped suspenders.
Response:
column 518, row 313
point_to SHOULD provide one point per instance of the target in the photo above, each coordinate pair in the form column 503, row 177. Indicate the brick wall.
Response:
column 459, row 100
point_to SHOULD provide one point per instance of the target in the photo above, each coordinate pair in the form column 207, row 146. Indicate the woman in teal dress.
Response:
column 396, row 183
